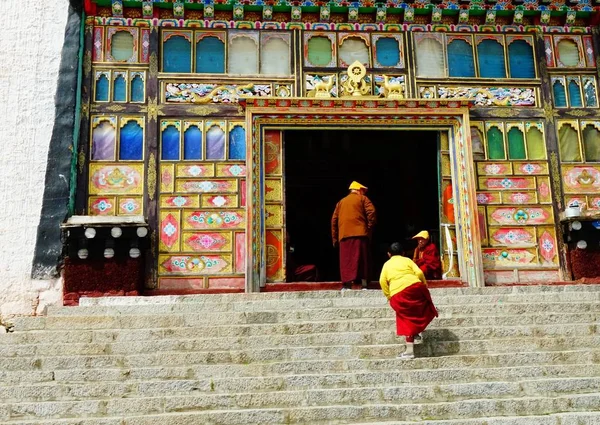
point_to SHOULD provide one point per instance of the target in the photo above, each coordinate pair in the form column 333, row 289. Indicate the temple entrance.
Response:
column 401, row 169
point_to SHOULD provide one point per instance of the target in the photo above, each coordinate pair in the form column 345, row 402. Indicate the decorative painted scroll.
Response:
column 519, row 198
column 507, row 183
column 491, row 96
column 513, row 236
column 208, row 241
column 195, row 264
column 488, row 198
column 180, row 201
column 214, row 220
column 274, row 252
column 195, row 170
column 532, row 168
column 507, row 257
column 207, row 186
column 169, row 230
column 167, row 178
column 213, row 93
column 231, row 170
column 116, row 179
column 581, row 179
column 520, row 216
column 494, row 168
column 219, row 201
column 547, row 244
column 102, row 205
column 130, row 206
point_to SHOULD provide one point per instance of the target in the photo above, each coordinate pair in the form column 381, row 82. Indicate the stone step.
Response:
column 138, row 305
column 271, row 357
column 200, row 319
column 526, row 381
column 58, row 336
column 437, row 342
column 305, row 407
column 572, row 418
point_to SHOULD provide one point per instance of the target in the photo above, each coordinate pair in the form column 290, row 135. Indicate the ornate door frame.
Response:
column 441, row 115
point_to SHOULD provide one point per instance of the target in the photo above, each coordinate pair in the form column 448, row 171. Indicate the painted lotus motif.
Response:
column 102, row 206
column 207, row 241
column 512, row 236
column 521, row 198
column 215, row 220
column 531, row 168
column 232, row 170
column 506, row 257
column 207, row 186
column 520, row 216
column 193, row 265
column 582, row 179
column 547, row 244
column 507, row 183
column 169, row 231
column 116, row 179
column 195, row 171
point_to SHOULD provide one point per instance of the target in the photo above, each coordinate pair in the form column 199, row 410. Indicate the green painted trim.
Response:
column 77, row 122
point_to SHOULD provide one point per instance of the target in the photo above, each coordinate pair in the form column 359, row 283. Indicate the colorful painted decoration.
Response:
column 507, row 183
column 206, row 186
column 209, row 241
column 116, row 179
column 169, row 230
column 581, row 179
column 520, row 216
column 213, row 93
column 491, row 96
column 547, row 243
column 215, row 220
column 512, row 236
column 196, row 265
column 507, row 257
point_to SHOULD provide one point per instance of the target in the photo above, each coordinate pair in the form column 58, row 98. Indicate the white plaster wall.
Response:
column 31, row 39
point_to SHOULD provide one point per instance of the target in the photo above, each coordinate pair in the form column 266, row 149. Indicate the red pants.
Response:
column 414, row 310
column 354, row 259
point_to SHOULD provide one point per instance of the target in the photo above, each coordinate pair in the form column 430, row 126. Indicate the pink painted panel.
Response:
column 102, row 206
column 207, row 186
column 512, row 216
column 98, row 47
column 215, row 220
column 195, row 264
column 487, row 198
column 208, row 241
column 145, row 47
column 581, row 179
column 186, row 283
column 226, row 282
column 506, row 183
column 532, row 168
column 240, row 252
column 243, row 193
column 512, row 236
column 547, row 246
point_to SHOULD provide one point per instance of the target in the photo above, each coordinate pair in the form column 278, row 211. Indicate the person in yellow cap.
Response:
column 405, row 287
column 427, row 256
column 351, row 226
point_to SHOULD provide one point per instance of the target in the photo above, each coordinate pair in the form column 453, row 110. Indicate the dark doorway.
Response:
column 400, row 168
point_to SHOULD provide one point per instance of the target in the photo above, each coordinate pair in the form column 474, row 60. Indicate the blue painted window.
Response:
column 170, row 144
column 119, row 89
column 388, row 51
column 491, row 59
column 574, row 95
column 102, row 89
column 215, row 143
column 520, row 57
column 560, row 97
column 131, row 142
column 237, row 143
column 210, row 56
column 137, row 89
column 460, row 59
column 177, row 54
column 192, row 143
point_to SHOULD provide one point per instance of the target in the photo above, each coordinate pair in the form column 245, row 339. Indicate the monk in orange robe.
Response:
column 427, row 256
column 352, row 225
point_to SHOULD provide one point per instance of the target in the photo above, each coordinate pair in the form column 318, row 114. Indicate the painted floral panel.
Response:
column 215, row 220
column 167, row 178
column 169, row 230
column 101, row 205
column 488, row 198
column 207, row 241
column 494, row 168
column 198, row 265
column 523, row 216
column 512, row 236
column 116, row 179
column 506, row 183
column 219, row 201
column 206, row 186
column 494, row 257
column 180, row 201
column 519, row 198
column 131, row 206
column 195, row 170
column 581, row 179
column 231, row 170
column 531, row 168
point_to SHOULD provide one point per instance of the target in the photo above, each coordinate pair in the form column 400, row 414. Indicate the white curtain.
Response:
column 121, row 47
column 430, row 58
column 568, row 53
column 354, row 49
column 243, row 56
column 275, row 57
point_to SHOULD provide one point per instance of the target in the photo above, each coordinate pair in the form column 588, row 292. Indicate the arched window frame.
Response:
column 376, row 37
column 166, row 36
column 342, row 37
column 510, row 39
column 199, row 36
column 111, row 31
column 467, row 39
column 495, row 38
column 265, row 38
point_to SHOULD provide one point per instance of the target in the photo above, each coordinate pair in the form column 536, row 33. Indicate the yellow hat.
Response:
column 423, row 234
column 357, row 186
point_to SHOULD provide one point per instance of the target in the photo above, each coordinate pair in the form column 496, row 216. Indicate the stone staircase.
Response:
column 495, row 356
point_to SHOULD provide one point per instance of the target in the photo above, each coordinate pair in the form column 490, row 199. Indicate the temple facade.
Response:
column 185, row 111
